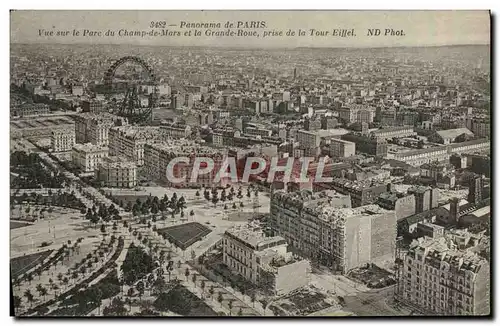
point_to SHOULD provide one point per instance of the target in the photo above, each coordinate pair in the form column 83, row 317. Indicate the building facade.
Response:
column 87, row 157
column 115, row 171
column 326, row 230
column 264, row 261
column 62, row 140
column 440, row 277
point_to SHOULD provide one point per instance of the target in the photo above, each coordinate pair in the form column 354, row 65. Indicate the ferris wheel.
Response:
column 128, row 85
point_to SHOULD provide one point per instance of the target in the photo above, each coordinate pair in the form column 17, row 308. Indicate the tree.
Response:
column 181, row 203
column 140, row 288
column 154, row 209
column 29, row 296
column 220, row 298
column 94, row 219
column 116, row 308
column 95, row 296
column 17, row 302
column 194, row 277
column 159, row 286
column 215, row 199
column 39, row 288
column 202, row 286
column 43, row 293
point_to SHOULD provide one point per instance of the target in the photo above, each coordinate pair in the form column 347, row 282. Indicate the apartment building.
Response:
column 470, row 147
column 443, row 276
column 129, row 141
column 356, row 113
column 87, row 157
column 363, row 192
column 339, row 148
column 116, row 171
column 93, row 127
column 98, row 131
column 368, row 145
column 62, row 140
column 395, row 132
column 418, row 157
column 93, row 106
column 29, row 109
column 255, row 131
column 263, row 260
column 480, row 127
column 308, row 139
column 426, row 198
column 157, row 157
column 421, row 156
column 324, row 228
column 176, row 130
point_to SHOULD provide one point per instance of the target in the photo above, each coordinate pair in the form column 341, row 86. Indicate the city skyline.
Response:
column 421, row 28
column 273, row 179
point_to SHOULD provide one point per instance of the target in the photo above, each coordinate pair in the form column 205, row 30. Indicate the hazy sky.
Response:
column 420, row 27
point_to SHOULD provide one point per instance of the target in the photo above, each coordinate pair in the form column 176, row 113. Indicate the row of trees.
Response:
column 32, row 172
column 213, row 195
column 103, row 213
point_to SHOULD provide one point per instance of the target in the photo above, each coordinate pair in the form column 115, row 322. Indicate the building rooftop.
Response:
column 117, row 162
column 446, row 249
column 89, row 147
column 333, row 214
column 390, row 129
column 253, row 235
column 454, row 133
column 186, row 147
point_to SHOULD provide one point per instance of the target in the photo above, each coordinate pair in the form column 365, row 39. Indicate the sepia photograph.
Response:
column 250, row 163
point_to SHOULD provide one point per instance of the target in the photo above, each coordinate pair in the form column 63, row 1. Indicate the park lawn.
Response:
column 20, row 265
column 17, row 224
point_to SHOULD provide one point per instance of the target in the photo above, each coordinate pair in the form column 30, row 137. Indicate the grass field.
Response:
column 185, row 235
column 20, row 265
column 17, row 224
